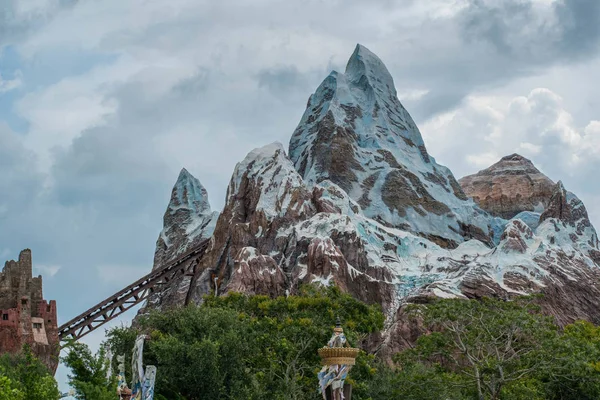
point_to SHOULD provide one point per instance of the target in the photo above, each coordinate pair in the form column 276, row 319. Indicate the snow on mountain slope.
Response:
column 322, row 236
column 356, row 134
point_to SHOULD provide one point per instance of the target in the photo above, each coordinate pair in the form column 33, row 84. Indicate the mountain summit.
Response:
column 356, row 134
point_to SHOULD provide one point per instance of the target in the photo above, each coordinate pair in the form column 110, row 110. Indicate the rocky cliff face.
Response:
column 510, row 186
column 359, row 203
column 277, row 232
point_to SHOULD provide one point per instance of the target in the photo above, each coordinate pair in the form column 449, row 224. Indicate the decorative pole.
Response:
column 337, row 359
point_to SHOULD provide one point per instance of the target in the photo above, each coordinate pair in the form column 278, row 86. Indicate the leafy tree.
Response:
column 256, row 347
column 9, row 389
column 574, row 368
column 491, row 343
column 89, row 373
column 24, row 376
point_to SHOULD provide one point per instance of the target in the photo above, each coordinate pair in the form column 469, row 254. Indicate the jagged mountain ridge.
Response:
column 291, row 220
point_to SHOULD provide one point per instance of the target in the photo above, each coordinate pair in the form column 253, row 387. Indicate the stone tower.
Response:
column 25, row 317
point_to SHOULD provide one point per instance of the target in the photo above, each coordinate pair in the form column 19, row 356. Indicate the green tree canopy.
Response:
column 256, row 347
column 23, row 376
column 89, row 373
column 494, row 349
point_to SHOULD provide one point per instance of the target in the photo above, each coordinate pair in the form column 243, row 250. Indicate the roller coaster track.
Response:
column 132, row 295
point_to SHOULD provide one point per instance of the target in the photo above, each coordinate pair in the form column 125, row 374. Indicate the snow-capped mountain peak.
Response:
column 363, row 64
column 356, row 134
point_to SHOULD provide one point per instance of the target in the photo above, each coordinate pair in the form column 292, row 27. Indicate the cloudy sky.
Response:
column 103, row 102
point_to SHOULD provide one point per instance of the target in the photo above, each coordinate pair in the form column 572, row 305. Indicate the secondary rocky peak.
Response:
column 512, row 164
column 276, row 232
column 515, row 157
column 508, row 187
column 268, row 182
column 187, row 221
column 564, row 206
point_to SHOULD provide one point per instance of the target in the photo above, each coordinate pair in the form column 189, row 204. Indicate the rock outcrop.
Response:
column 271, row 231
column 510, row 186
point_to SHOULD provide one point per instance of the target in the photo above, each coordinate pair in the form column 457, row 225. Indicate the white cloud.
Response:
column 121, row 275
column 529, row 148
column 592, row 138
column 46, row 270
column 412, row 94
column 25, row 9
column 538, row 126
column 6, row 85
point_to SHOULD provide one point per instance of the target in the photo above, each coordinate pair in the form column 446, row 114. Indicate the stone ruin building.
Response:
column 25, row 317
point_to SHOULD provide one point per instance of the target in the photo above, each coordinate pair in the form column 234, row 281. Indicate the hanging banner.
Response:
column 121, row 378
column 148, row 385
column 137, row 368
column 108, row 360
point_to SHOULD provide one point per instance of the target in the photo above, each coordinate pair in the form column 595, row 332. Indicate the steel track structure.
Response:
column 132, row 295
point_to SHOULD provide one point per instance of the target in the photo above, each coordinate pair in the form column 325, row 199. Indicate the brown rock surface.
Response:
column 268, row 238
column 510, row 186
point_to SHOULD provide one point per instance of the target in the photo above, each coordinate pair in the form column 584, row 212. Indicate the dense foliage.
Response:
column 247, row 347
column 492, row 349
column 256, row 347
column 24, row 377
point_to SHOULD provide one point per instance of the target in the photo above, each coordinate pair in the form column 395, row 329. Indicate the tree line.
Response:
column 256, row 347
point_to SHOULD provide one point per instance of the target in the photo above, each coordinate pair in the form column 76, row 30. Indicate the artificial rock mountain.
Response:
column 360, row 203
